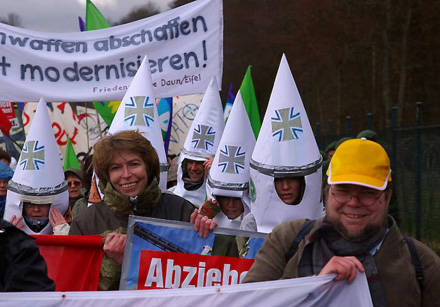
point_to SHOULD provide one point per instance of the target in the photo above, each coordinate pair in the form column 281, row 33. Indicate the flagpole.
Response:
column 99, row 124
column 87, row 127
column 13, row 141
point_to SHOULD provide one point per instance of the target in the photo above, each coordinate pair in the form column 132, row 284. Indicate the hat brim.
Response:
column 361, row 180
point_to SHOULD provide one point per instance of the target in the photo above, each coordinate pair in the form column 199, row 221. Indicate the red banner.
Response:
column 162, row 270
column 8, row 110
column 73, row 262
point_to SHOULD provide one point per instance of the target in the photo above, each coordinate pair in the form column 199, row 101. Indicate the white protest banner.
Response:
column 92, row 122
column 298, row 292
column 184, row 111
column 184, row 46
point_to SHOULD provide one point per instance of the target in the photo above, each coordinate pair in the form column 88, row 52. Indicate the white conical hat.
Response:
column 229, row 173
column 286, row 147
column 286, row 128
column 138, row 111
column 202, row 140
column 207, row 127
column 39, row 176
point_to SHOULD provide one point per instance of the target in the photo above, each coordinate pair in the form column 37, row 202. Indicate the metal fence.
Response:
column 414, row 151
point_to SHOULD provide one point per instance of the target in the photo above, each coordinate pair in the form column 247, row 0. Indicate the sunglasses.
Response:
column 74, row 183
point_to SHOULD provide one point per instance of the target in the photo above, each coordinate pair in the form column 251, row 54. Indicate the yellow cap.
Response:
column 360, row 162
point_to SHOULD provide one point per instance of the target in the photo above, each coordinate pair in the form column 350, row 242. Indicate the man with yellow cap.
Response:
column 356, row 233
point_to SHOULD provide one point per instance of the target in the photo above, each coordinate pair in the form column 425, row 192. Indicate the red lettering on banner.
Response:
column 61, row 135
column 62, row 139
column 56, row 129
column 26, row 119
column 72, row 138
column 61, row 106
column 165, row 270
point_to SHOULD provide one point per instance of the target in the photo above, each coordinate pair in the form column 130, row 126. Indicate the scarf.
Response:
column 143, row 204
column 36, row 225
column 192, row 186
column 326, row 242
column 187, row 183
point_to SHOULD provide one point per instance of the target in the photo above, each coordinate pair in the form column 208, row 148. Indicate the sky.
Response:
column 62, row 15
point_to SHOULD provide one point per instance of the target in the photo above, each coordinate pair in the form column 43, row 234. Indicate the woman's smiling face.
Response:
column 128, row 174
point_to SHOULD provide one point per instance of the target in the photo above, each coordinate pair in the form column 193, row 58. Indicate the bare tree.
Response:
column 11, row 19
column 141, row 12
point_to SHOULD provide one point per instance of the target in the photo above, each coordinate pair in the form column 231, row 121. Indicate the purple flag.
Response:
column 82, row 24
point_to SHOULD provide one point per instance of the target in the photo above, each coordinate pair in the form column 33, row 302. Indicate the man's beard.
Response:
column 356, row 236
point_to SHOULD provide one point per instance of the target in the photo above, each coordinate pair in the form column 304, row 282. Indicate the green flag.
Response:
column 107, row 110
column 94, row 21
column 250, row 101
column 70, row 159
column 94, row 18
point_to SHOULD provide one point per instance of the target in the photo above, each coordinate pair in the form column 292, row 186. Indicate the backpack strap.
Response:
column 415, row 260
column 308, row 225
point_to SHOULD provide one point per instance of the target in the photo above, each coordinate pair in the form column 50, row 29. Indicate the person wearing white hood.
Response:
column 228, row 180
column 138, row 111
column 200, row 146
column 286, row 163
column 38, row 187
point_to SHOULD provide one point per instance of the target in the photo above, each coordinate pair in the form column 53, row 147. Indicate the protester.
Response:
column 38, row 185
column 128, row 168
column 22, row 268
column 5, row 157
column 290, row 189
column 330, row 149
column 194, row 174
column 228, row 180
column 138, row 111
column 355, row 234
column 200, row 146
column 6, row 174
column 87, row 171
column 231, row 207
column 285, row 168
column 191, row 178
column 74, row 177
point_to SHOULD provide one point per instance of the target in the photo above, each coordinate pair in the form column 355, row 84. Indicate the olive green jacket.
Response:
column 393, row 262
column 111, row 215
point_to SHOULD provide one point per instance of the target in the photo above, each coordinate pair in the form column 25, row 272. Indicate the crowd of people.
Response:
column 324, row 212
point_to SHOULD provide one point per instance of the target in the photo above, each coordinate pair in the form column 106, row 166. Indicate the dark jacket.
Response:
column 22, row 268
column 112, row 215
column 393, row 262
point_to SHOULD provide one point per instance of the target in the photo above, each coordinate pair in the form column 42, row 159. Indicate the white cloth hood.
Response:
column 196, row 197
column 39, row 174
column 229, row 174
column 202, row 140
column 286, row 147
